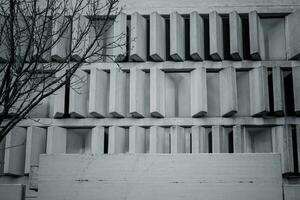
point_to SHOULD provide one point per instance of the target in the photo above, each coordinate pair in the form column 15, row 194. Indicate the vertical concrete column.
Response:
column 137, row 139
column 15, row 147
column 177, row 37
column 157, row 93
column 159, row 140
column 80, row 37
column 157, row 37
column 98, row 93
column 177, row 139
column 198, row 92
column 296, row 85
column 199, row 140
column 228, row 92
column 116, row 140
column 35, row 145
column 216, row 36
column 138, row 41
column 56, row 140
column 292, row 35
column 237, row 139
column 257, row 41
column 117, row 89
column 219, row 140
column 79, row 93
column 59, row 98
column 120, row 30
column 187, row 140
column 236, row 36
column 282, row 143
column 196, row 36
column 61, row 31
column 97, row 140
column 278, row 89
column 259, row 92
column 137, row 98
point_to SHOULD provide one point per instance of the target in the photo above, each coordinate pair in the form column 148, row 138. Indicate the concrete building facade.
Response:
column 204, row 101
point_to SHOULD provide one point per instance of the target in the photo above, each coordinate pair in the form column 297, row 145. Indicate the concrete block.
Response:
column 137, row 139
column 159, row 140
column 199, row 140
column 117, row 141
column 216, row 36
column 178, row 142
column 12, row 191
column 117, row 89
column 98, row 93
column 157, row 93
column 296, row 85
column 97, row 140
column 157, row 37
column 59, row 98
column 14, row 158
column 177, row 37
column 292, row 35
column 228, row 92
column 198, row 92
column 236, row 36
column 257, row 41
column 137, row 99
column 282, row 143
column 35, row 145
column 259, row 91
column 120, row 37
column 61, row 31
column 138, row 43
column 56, row 140
column 79, row 93
column 80, row 37
column 219, row 140
column 196, row 36
column 278, row 89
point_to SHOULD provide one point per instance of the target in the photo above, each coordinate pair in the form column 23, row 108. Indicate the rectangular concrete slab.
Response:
column 159, row 140
column 292, row 35
column 199, row 140
column 118, row 140
column 236, row 36
column 178, row 143
column 56, row 140
column 278, row 89
column 257, row 41
column 137, row 139
column 296, row 86
column 80, row 37
column 157, row 37
column 196, row 36
column 157, row 93
column 137, row 98
column 216, row 36
column 177, row 37
column 180, row 177
column 120, row 37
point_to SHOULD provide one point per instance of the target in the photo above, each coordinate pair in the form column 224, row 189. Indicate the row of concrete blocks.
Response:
column 138, row 38
column 106, row 94
column 23, row 146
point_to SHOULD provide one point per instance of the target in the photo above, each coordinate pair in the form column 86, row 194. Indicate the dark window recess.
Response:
column 168, row 57
column 289, row 93
column 246, row 38
column 67, row 97
column 230, row 142
column 206, row 38
column 295, row 151
column 148, row 39
column 209, row 142
column 127, row 44
column 226, row 38
column 106, row 140
column 187, row 38
column 271, row 94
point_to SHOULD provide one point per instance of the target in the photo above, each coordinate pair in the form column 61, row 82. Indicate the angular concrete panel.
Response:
column 79, row 94
column 138, row 43
column 56, row 140
column 59, row 98
column 199, row 140
column 137, row 98
column 228, row 92
column 157, row 93
column 97, row 140
column 278, row 90
column 219, row 140
column 120, row 37
column 157, row 37
column 259, row 92
column 257, row 40
column 98, row 93
column 296, row 86
column 292, row 35
column 80, row 37
column 137, row 139
column 178, row 143
column 159, row 140
column 198, row 92
column 117, row 141
column 117, row 87
column 177, row 37
column 236, row 36
column 216, row 36
column 15, row 147
column 35, row 145
column 196, row 36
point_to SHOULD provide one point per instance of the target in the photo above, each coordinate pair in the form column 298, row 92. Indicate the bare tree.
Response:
column 43, row 43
